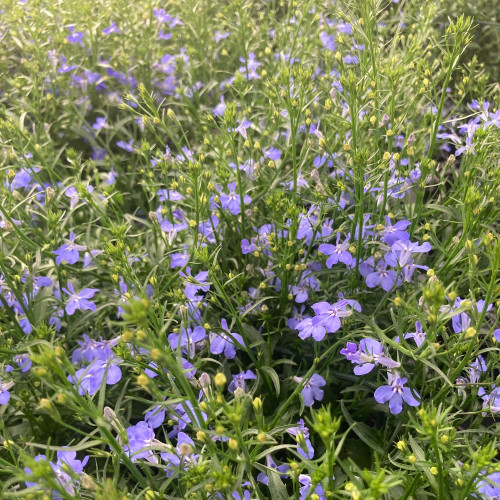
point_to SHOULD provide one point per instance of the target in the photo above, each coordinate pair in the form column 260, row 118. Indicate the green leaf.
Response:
column 276, row 486
column 363, row 431
column 274, row 377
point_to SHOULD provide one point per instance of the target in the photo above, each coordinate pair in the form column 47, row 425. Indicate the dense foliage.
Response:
column 249, row 250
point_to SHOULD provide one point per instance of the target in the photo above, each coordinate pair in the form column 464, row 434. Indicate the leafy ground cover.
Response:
column 249, row 250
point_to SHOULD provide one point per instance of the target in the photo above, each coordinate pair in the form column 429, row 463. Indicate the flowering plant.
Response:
column 249, row 250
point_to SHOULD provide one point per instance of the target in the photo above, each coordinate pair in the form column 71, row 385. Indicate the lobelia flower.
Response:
column 381, row 276
column 74, row 36
column 4, row 392
column 238, row 381
column 271, row 464
column 112, row 28
column 297, row 317
column 391, row 233
column 369, row 354
column 141, row 438
column 185, row 414
column 207, row 229
column 338, row 252
column 100, row 123
column 179, row 259
column 183, row 454
column 491, row 401
column 249, row 70
column 304, row 445
column 171, row 229
column 308, row 282
column 169, row 195
column 328, row 315
column 23, row 361
column 307, row 490
column 127, row 146
column 418, row 335
column 66, row 462
column 489, row 486
column 232, row 201
column 242, row 128
column 69, row 251
column 496, row 335
column 395, row 393
column 327, row 40
column 88, row 257
column 272, row 154
column 88, row 379
column 225, row 342
column 194, row 284
column 409, row 269
column 307, row 329
column 476, row 368
column 218, row 36
column 311, row 391
column 91, row 349
column 79, row 300
column 72, row 194
column 220, row 108
column 405, row 249
column 187, row 339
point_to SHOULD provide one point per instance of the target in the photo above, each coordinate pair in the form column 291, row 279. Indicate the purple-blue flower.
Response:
column 304, row 445
column 418, row 335
column 381, row 276
column 239, row 380
column 4, row 392
column 405, row 249
column 369, row 354
column 312, row 389
column 69, row 251
column 395, row 393
column 141, row 439
column 232, row 201
column 88, row 380
column 328, row 315
column 338, row 252
column 224, row 342
column 79, row 300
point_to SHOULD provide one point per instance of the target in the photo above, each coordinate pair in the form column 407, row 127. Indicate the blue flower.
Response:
column 418, row 336
column 338, row 252
column 328, row 315
column 112, row 28
column 4, row 392
column 395, row 393
column 307, row 490
column 66, row 462
column 141, row 439
column 187, row 339
column 369, row 354
column 88, row 380
column 182, row 455
column 311, row 391
column 232, row 201
column 225, row 341
column 405, row 249
column 381, row 276
column 79, row 300
column 489, row 486
column 69, row 251
column 271, row 464
column 392, row 233
column 238, row 381
column 304, row 445
column 491, row 401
